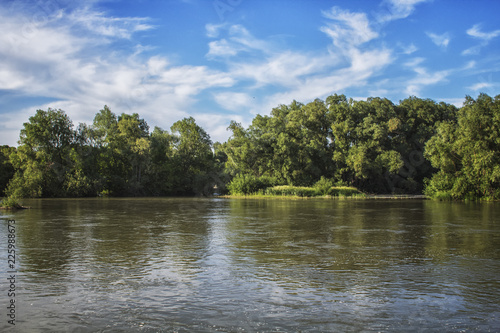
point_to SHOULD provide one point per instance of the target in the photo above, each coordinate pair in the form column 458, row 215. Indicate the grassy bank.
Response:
column 303, row 192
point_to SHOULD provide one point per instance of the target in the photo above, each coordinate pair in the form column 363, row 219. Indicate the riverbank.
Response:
column 11, row 204
column 358, row 197
column 303, row 192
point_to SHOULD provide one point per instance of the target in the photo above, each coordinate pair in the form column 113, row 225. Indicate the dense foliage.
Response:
column 467, row 152
column 114, row 156
column 6, row 168
column 373, row 145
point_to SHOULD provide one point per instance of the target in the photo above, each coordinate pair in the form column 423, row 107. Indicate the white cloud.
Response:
column 302, row 76
column 212, row 30
column 409, row 49
column 238, row 40
column 472, row 50
column 221, row 48
column 68, row 59
column 423, row 79
column 100, row 24
column 480, row 85
column 414, row 62
column 234, row 101
column 476, row 32
column 348, row 29
column 485, row 38
column 285, row 69
column 398, row 9
column 440, row 40
column 367, row 62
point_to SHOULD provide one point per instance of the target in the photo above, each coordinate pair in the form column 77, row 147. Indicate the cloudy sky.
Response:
column 223, row 60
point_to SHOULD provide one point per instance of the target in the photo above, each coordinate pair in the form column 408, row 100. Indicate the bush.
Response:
column 344, row 191
column 442, row 196
column 440, row 183
column 10, row 203
column 247, row 184
column 324, row 185
column 297, row 191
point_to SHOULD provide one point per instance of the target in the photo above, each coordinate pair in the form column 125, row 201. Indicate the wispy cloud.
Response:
column 103, row 25
column 398, row 9
column 234, row 101
column 423, row 77
column 476, row 32
column 480, row 86
column 348, row 28
column 68, row 58
column 484, row 37
column 440, row 40
column 81, row 58
column 348, row 62
column 409, row 49
column 237, row 39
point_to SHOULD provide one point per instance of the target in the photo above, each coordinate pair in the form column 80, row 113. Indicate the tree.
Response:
column 193, row 156
column 161, row 173
column 467, row 153
column 43, row 158
column 416, row 122
column 364, row 153
column 7, row 170
column 120, row 152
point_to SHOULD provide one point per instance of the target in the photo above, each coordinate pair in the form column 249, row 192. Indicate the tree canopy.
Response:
column 116, row 155
column 415, row 146
column 466, row 152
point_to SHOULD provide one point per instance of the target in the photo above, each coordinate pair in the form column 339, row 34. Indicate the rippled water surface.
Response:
column 236, row 265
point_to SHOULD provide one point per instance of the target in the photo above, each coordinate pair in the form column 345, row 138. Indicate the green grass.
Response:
column 304, row 192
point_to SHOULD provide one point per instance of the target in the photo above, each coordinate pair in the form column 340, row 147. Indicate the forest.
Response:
column 414, row 147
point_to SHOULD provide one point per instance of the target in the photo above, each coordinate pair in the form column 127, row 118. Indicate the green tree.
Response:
column 133, row 148
column 161, row 173
column 120, row 151
column 363, row 147
column 193, row 157
column 467, row 154
column 7, row 170
column 43, row 158
column 107, row 153
column 416, row 122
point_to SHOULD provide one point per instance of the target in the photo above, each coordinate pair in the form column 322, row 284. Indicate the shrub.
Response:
column 10, row 203
column 324, row 185
column 297, row 191
column 248, row 184
column 442, row 196
column 344, row 191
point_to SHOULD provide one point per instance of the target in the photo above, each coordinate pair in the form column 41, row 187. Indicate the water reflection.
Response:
column 194, row 264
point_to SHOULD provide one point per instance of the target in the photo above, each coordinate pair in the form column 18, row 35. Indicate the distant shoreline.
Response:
column 364, row 197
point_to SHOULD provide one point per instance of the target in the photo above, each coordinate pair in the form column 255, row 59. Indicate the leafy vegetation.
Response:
column 6, row 168
column 10, row 203
column 467, row 153
column 304, row 191
column 323, row 148
column 372, row 145
column 116, row 155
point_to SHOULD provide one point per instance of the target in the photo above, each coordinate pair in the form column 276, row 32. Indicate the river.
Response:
column 252, row 265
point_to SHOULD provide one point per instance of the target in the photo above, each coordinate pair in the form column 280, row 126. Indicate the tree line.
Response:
column 116, row 155
column 416, row 146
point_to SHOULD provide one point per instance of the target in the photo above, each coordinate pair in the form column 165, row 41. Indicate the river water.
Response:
column 252, row 265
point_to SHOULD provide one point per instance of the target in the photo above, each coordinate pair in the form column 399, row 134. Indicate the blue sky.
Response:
column 223, row 60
